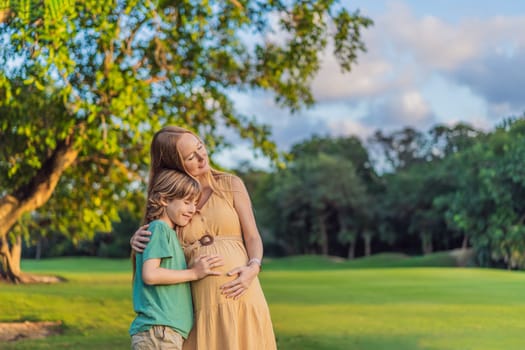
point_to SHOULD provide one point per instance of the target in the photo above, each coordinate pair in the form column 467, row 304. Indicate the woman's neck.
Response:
column 204, row 181
column 206, row 190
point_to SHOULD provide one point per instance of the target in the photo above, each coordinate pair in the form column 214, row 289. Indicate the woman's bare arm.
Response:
column 252, row 239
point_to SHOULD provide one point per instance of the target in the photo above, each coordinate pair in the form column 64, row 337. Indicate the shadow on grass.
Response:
column 451, row 258
column 368, row 342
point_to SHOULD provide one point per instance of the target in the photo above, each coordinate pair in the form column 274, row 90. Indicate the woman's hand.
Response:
column 140, row 239
column 245, row 276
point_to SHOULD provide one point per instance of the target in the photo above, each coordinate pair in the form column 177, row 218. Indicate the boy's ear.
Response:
column 163, row 201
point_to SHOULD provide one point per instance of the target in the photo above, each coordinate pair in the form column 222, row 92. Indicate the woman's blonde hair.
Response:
column 165, row 154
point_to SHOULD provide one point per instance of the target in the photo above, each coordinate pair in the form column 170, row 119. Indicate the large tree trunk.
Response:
column 38, row 253
column 30, row 197
column 367, row 237
column 464, row 245
column 11, row 254
column 351, row 249
column 426, row 243
column 324, row 235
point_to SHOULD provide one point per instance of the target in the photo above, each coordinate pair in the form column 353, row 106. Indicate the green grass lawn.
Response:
column 315, row 303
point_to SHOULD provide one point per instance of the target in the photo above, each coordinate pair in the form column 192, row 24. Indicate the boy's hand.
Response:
column 204, row 264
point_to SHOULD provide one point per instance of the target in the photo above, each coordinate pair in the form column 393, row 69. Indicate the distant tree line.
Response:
column 450, row 187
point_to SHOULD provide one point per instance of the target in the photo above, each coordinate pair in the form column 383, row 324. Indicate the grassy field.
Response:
column 315, row 303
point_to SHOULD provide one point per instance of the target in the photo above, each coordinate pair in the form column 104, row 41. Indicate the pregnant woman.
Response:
column 231, row 312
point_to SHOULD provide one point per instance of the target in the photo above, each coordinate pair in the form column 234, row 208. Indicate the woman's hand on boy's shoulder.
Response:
column 140, row 239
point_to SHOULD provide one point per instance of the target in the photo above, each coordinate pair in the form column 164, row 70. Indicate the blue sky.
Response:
column 428, row 62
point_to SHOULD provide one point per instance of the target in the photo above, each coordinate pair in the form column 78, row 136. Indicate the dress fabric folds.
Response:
column 221, row 323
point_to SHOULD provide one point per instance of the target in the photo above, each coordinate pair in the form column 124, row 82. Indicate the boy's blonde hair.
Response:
column 166, row 186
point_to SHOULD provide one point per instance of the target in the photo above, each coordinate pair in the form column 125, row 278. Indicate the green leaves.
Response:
column 347, row 39
column 28, row 11
column 321, row 200
column 488, row 205
column 103, row 76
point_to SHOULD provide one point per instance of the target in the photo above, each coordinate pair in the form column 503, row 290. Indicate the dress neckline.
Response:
column 206, row 200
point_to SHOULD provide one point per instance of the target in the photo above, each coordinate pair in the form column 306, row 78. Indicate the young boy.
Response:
column 161, row 292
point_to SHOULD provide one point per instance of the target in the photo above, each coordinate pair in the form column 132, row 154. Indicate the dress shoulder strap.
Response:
column 224, row 186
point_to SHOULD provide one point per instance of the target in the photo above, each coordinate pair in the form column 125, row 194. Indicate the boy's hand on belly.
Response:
column 236, row 288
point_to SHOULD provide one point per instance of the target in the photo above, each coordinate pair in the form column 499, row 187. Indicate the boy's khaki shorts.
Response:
column 157, row 338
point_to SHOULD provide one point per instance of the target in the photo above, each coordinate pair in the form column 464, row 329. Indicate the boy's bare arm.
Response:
column 153, row 274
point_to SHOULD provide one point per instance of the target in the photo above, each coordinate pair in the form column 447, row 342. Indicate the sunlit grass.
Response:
column 312, row 308
column 421, row 308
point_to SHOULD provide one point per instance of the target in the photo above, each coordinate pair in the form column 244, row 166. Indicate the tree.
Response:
column 400, row 149
column 82, row 92
column 446, row 140
column 415, row 197
column 316, row 205
column 489, row 203
column 349, row 150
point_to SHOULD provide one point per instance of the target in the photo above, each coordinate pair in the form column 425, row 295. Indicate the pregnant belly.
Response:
column 206, row 291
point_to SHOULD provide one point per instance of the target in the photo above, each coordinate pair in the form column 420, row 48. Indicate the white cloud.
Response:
column 350, row 127
column 440, row 44
column 478, row 57
column 429, row 41
column 497, row 78
column 422, row 67
column 404, row 49
column 232, row 157
column 414, row 106
column 367, row 78
column 398, row 110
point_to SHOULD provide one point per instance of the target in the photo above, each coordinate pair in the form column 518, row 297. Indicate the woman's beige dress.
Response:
column 221, row 323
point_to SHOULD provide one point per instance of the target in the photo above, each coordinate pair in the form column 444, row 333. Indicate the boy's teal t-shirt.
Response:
column 165, row 305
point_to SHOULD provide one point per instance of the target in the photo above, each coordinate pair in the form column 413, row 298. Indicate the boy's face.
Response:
column 180, row 211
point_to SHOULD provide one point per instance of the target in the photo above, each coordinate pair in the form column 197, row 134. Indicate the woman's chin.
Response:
column 204, row 169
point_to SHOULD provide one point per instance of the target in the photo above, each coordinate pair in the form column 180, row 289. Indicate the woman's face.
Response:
column 194, row 155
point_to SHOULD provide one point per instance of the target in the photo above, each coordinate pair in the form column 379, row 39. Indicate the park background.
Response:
column 387, row 222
